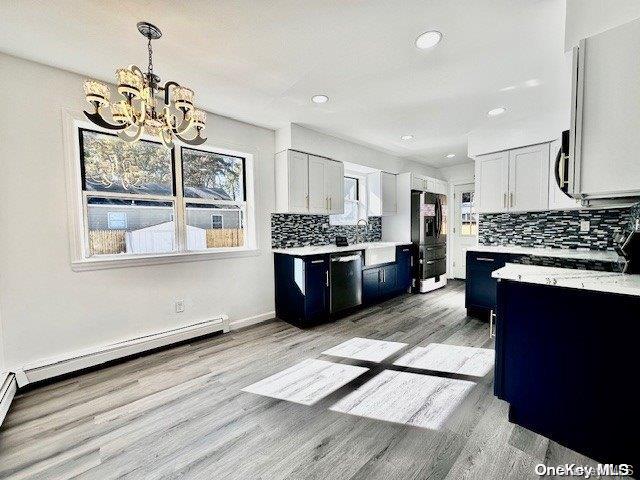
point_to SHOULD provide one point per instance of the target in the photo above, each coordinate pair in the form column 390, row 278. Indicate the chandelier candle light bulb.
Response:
column 147, row 105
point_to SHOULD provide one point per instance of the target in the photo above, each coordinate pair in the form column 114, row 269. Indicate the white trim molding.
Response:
column 78, row 360
column 8, row 388
column 248, row 321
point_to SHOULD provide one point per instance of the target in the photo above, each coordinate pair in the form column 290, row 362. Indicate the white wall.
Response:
column 507, row 133
column 46, row 308
column 311, row 141
column 459, row 174
column 589, row 17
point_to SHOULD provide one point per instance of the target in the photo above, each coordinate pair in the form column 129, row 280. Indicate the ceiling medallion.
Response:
column 165, row 111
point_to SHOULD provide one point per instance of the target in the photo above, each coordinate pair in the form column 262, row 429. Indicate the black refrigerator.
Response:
column 429, row 236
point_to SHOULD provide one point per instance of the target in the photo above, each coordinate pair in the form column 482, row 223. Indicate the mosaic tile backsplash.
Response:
column 293, row 230
column 556, row 229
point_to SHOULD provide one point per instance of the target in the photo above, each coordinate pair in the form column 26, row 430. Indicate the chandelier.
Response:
column 165, row 111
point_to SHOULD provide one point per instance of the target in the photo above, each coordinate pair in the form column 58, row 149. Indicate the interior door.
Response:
column 298, row 173
column 318, row 202
column 493, row 182
column 334, row 186
column 529, row 178
column 465, row 227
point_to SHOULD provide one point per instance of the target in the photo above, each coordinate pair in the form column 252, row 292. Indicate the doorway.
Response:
column 465, row 227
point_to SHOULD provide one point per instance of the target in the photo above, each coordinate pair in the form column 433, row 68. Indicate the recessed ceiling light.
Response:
column 428, row 39
column 319, row 99
column 534, row 82
column 406, row 137
column 496, row 111
column 451, row 155
column 508, row 88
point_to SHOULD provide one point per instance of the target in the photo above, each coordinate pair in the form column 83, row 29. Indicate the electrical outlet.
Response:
column 179, row 306
column 585, row 225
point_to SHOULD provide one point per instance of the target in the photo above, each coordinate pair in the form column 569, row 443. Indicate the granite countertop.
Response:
column 593, row 255
column 324, row 249
column 571, row 278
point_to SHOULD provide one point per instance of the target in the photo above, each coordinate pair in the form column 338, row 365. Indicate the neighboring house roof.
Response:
column 154, row 189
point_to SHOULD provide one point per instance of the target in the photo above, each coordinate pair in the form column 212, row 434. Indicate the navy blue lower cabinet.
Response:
column 370, row 285
column 480, row 288
column 302, row 288
column 566, row 361
column 404, row 267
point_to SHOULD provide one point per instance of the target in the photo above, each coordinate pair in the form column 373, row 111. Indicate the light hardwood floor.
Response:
column 180, row 413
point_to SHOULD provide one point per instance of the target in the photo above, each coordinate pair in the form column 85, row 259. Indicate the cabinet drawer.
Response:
column 435, row 253
column 434, row 267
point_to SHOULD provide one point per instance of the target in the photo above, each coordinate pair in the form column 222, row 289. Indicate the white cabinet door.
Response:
column 492, row 182
column 318, row 200
column 334, row 186
column 529, row 178
column 606, row 114
column 297, row 181
column 430, row 185
column 389, row 193
column 417, row 183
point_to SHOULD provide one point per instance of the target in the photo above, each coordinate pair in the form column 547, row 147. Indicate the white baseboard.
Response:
column 78, row 360
column 245, row 322
column 8, row 387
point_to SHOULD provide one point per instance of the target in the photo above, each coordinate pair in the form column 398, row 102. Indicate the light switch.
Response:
column 585, row 225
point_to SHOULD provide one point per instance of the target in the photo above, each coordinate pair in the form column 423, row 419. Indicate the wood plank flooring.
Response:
column 180, row 413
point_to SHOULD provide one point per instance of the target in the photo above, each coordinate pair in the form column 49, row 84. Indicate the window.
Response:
column 213, row 187
column 117, row 220
column 354, row 207
column 143, row 199
column 216, row 221
column 468, row 220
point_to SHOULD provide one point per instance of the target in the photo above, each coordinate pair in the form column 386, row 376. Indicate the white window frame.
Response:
column 77, row 213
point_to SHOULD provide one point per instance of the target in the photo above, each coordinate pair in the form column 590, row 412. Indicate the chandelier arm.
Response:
column 197, row 140
column 96, row 118
column 125, row 136
column 185, row 125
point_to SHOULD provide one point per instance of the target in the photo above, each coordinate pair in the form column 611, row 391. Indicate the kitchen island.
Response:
column 566, row 349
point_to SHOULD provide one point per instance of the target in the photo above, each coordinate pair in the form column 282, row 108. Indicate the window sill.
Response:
column 144, row 260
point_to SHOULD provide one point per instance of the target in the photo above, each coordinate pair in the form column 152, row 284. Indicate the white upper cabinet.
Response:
column 292, row 182
column 382, row 194
column 492, row 182
column 428, row 184
column 318, row 202
column 605, row 118
column 333, row 186
column 513, row 181
column 308, row 184
column 529, row 178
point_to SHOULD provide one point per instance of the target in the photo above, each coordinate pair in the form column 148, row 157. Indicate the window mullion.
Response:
column 181, row 229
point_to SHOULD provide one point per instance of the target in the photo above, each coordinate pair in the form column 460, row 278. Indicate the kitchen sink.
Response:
column 376, row 253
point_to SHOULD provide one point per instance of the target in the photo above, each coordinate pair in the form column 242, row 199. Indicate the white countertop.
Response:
column 594, row 255
column 571, row 278
column 324, row 249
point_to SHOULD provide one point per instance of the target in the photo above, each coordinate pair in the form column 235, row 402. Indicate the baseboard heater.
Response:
column 8, row 389
column 91, row 357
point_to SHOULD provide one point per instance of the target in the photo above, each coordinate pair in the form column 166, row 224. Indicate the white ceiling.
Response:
column 260, row 61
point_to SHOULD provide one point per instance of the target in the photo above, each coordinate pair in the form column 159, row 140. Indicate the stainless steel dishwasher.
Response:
column 346, row 281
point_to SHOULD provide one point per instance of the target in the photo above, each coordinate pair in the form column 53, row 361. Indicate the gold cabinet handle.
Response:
column 504, row 200
column 511, row 198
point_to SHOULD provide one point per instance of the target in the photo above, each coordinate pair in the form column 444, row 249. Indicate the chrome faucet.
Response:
column 366, row 228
